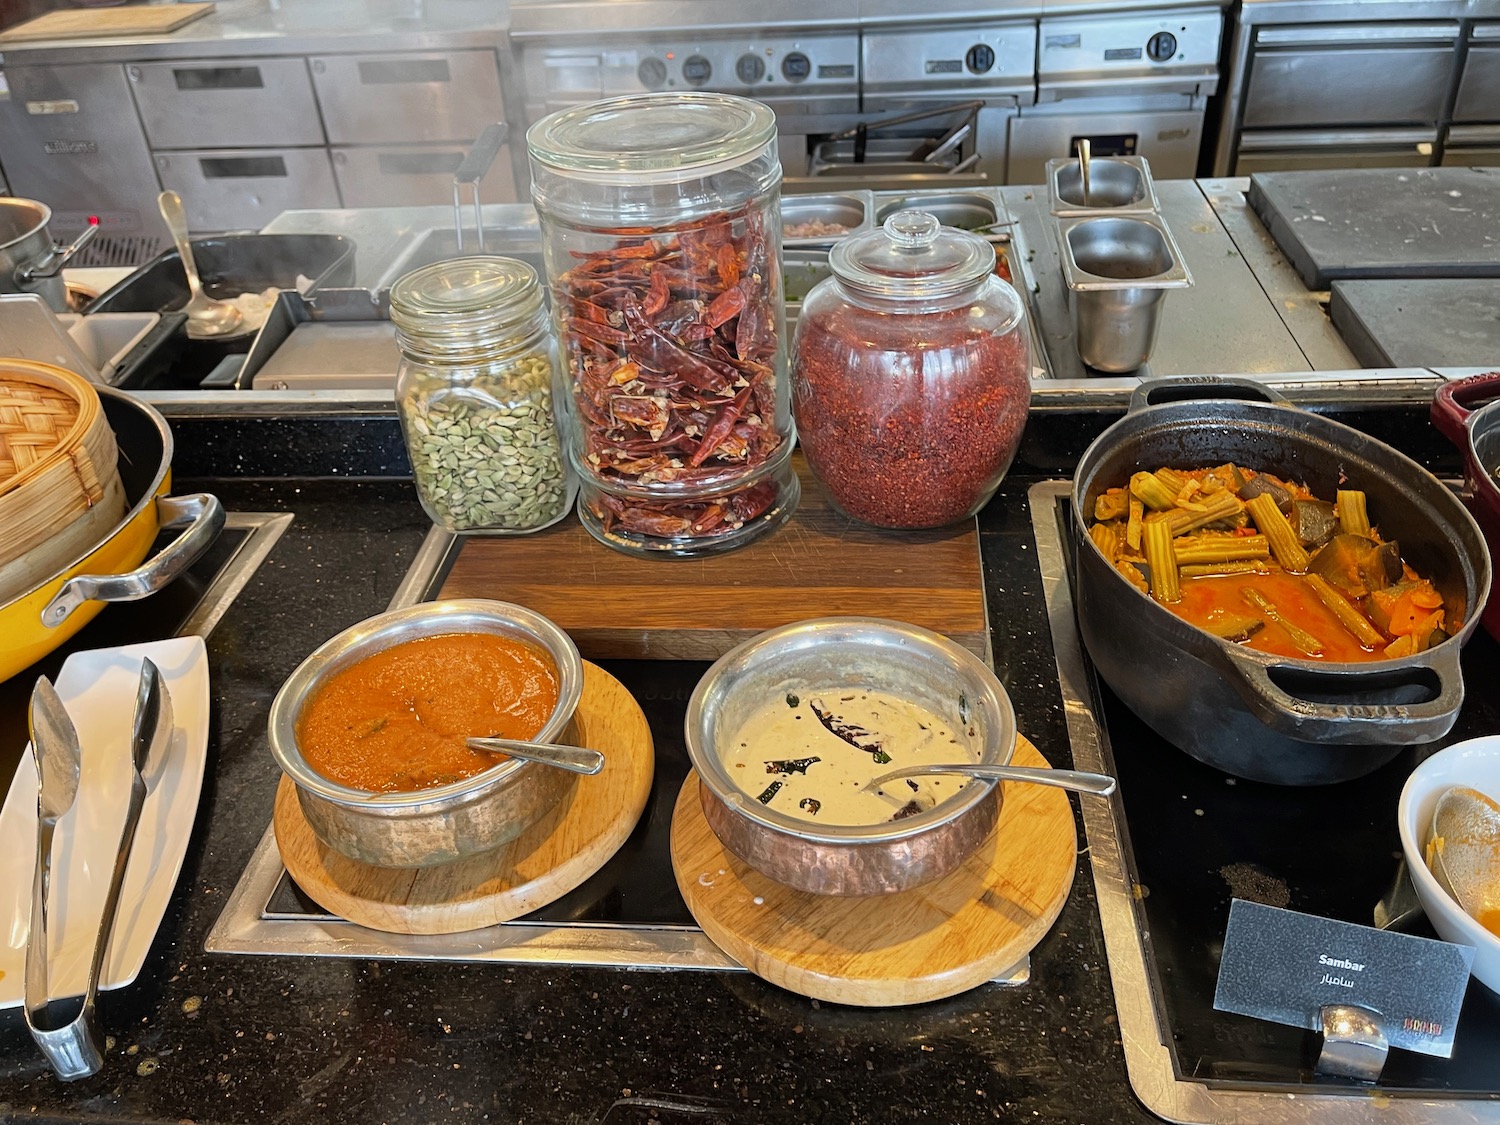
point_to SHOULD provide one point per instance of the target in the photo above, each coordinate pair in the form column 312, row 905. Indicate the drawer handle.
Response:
column 404, row 72
column 241, row 167
column 219, row 78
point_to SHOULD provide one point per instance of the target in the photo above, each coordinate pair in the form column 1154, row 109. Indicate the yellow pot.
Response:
column 60, row 604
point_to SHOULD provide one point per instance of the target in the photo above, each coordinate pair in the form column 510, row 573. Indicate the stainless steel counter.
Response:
column 1227, row 323
column 256, row 28
column 1248, row 313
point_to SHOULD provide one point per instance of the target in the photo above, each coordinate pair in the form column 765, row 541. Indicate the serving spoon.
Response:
column 1076, row 780
column 577, row 759
column 1468, row 863
column 1083, row 167
column 207, row 317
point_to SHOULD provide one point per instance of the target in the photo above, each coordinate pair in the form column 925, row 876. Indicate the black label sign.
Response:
column 1283, row 966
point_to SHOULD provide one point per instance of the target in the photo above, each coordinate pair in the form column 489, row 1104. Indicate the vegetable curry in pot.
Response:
column 1260, row 561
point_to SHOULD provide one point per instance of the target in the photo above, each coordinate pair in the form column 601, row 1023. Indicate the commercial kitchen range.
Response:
column 263, row 106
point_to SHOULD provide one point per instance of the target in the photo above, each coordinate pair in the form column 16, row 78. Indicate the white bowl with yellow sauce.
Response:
column 786, row 729
column 1474, row 763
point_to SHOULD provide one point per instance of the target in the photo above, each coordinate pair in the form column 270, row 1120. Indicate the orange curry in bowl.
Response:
column 397, row 720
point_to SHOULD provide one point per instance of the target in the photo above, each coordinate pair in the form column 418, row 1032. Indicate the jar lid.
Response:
column 912, row 256
column 464, row 296
column 652, row 138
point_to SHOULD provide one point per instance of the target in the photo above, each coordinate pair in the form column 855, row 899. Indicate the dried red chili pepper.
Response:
column 670, row 342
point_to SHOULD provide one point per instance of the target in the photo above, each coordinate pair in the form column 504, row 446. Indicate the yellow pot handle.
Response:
column 204, row 517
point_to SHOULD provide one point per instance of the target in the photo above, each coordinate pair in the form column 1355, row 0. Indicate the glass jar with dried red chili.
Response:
column 660, row 218
column 911, row 374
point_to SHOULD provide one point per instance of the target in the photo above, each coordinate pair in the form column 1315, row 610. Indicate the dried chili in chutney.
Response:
column 659, row 216
column 911, row 375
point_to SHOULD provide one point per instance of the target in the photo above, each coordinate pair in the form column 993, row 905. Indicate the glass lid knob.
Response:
column 913, row 230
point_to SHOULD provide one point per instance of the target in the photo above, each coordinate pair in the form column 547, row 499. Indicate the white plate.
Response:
column 98, row 688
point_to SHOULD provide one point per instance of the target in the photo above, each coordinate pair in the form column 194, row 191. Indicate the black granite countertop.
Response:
column 220, row 1038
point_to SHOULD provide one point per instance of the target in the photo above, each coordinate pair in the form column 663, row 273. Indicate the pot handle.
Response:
column 1180, row 388
column 1386, row 724
column 51, row 263
column 1450, row 409
column 204, row 517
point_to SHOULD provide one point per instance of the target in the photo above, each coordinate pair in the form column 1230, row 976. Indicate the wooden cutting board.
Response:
column 541, row 865
column 923, row 944
column 91, row 23
column 818, row 564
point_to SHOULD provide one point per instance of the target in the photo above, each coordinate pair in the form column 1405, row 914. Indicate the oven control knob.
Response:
column 652, row 73
column 750, row 68
column 1161, row 46
column 696, row 70
column 980, row 58
column 796, row 67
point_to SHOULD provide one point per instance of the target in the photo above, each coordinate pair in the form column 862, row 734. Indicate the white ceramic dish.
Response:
column 1475, row 763
column 98, row 688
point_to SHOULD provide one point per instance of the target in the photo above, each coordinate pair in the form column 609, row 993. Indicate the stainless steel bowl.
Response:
column 869, row 653
column 427, row 827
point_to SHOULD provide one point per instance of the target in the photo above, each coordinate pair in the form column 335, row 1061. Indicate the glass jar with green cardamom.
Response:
column 475, row 393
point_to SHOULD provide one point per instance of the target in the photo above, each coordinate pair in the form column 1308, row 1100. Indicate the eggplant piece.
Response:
column 1354, row 565
column 1233, row 627
column 1314, row 521
column 1264, row 486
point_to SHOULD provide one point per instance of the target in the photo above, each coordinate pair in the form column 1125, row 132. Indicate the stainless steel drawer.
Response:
column 1315, row 84
column 1479, row 88
column 1472, row 146
column 1303, row 160
column 244, row 189
column 226, row 102
column 405, row 98
column 413, row 175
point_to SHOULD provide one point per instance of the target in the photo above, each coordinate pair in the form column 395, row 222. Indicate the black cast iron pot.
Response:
column 1258, row 716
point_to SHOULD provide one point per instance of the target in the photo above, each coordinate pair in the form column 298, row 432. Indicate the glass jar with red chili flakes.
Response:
column 660, row 219
column 911, row 374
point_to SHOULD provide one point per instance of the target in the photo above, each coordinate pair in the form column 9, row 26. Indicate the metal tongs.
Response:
column 73, row 1047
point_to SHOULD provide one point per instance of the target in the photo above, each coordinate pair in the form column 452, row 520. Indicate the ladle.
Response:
column 1076, row 780
column 1467, row 863
column 578, row 759
column 1083, row 167
column 207, row 317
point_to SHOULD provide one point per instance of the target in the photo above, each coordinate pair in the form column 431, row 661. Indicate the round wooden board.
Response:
column 541, row 865
column 923, row 944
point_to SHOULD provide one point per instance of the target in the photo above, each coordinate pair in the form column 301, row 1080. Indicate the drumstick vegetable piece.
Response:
column 1106, row 539
column 1223, row 505
column 1152, row 492
column 1133, row 524
column 1349, row 617
column 1304, row 641
column 1163, row 560
column 1274, row 526
column 1354, row 519
column 1220, row 548
column 1215, row 570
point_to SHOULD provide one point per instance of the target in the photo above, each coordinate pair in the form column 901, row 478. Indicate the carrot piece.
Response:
column 1405, row 614
column 1426, row 597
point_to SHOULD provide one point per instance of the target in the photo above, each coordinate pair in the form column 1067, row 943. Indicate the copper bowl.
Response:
column 869, row 653
column 427, row 827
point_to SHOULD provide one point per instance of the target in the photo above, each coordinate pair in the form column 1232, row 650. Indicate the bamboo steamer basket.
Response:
column 114, row 566
column 59, row 477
